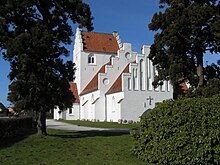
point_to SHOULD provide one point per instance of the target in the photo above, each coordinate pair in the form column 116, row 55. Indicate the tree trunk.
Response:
column 200, row 70
column 41, row 123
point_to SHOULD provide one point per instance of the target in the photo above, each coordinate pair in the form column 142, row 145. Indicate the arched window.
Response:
column 142, row 75
column 92, row 98
column 129, row 84
column 135, row 79
column 91, row 59
column 127, row 55
column 113, row 104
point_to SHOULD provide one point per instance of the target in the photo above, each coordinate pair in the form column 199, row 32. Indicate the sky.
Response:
column 130, row 18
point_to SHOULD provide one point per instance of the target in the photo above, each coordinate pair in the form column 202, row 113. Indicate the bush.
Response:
column 180, row 132
column 14, row 126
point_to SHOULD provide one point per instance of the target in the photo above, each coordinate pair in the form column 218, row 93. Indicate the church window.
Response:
column 168, row 86
column 92, row 97
column 91, row 59
column 142, row 75
column 135, row 85
column 129, row 84
column 149, row 68
column 105, row 81
column 113, row 104
column 70, row 111
column 111, row 58
column 128, row 55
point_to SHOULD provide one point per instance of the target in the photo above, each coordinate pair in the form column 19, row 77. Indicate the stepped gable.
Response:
column 99, row 42
column 117, row 86
column 73, row 88
column 93, row 84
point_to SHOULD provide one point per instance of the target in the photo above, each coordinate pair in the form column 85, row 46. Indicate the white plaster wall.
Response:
column 133, row 106
column 56, row 114
column 65, row 113
column 75, row 113
column 87, row 72
column 78, row 47
column 88, row 105
column 135, row 102
column 114, row 106
column 100, row 111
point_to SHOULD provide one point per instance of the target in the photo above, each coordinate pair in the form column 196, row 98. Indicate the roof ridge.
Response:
column 99, row 33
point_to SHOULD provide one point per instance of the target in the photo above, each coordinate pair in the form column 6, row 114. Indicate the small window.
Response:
column 91, row 59
column 70, row 111
column 129, row 84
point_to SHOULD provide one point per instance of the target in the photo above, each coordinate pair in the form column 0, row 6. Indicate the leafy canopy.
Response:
column 33, row 35
column 186, row 29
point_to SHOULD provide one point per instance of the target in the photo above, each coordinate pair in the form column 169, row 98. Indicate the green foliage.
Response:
column 12, row 127
column 33, row 35
column 180, row 132
column 212, row 88
column 186, row 29
column 212, row 71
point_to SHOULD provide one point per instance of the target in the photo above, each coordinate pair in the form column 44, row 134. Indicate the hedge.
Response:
column 180, row 132
column 10, row 127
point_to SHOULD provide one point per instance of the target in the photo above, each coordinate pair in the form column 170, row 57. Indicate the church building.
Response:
column 112, row 82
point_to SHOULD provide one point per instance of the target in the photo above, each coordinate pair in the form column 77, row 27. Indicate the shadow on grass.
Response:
column 10, row 141
column 93, row 133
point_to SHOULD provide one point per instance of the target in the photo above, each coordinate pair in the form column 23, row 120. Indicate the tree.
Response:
column 212, row 71
column 33, row 34
column 186, row 29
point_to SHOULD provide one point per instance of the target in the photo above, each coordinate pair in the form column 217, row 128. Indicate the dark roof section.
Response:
column 99, row 42
column 73, row 88
column 93, row 84
column 117, row 86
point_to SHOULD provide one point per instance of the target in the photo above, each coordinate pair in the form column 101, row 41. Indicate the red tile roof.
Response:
column 99, row 42
column 117, row 86
column 93, row 84
column 73, row 88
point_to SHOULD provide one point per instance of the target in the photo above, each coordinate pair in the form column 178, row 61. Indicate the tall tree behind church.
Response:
column 32, row 38
column 186, row 29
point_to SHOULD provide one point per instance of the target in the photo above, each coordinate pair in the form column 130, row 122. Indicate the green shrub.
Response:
column 12, row 127
column 180, row 132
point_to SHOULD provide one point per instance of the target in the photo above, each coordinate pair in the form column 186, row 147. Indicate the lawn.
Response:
column 70, row 148
column 100, row 124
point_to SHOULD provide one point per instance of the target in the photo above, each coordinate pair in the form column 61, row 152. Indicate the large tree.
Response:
column 186, row 30
column 33, row 35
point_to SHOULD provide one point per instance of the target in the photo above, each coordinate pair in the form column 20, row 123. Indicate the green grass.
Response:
column 101, row 124
column 70, row 148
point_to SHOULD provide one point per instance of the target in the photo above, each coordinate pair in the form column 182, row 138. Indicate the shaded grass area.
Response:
column 101, row 124
column 71, row 147
column 15, row 137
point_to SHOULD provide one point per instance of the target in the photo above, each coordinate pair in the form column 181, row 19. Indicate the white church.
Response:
column 112, row 83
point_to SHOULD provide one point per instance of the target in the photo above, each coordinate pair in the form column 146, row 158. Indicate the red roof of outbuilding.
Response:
column 73, row 88
column 99, row 42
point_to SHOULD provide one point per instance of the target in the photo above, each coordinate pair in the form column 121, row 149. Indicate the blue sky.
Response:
column 128, row 17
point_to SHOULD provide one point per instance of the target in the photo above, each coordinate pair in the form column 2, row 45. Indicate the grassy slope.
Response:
column 70, row 148
column 100, row 124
